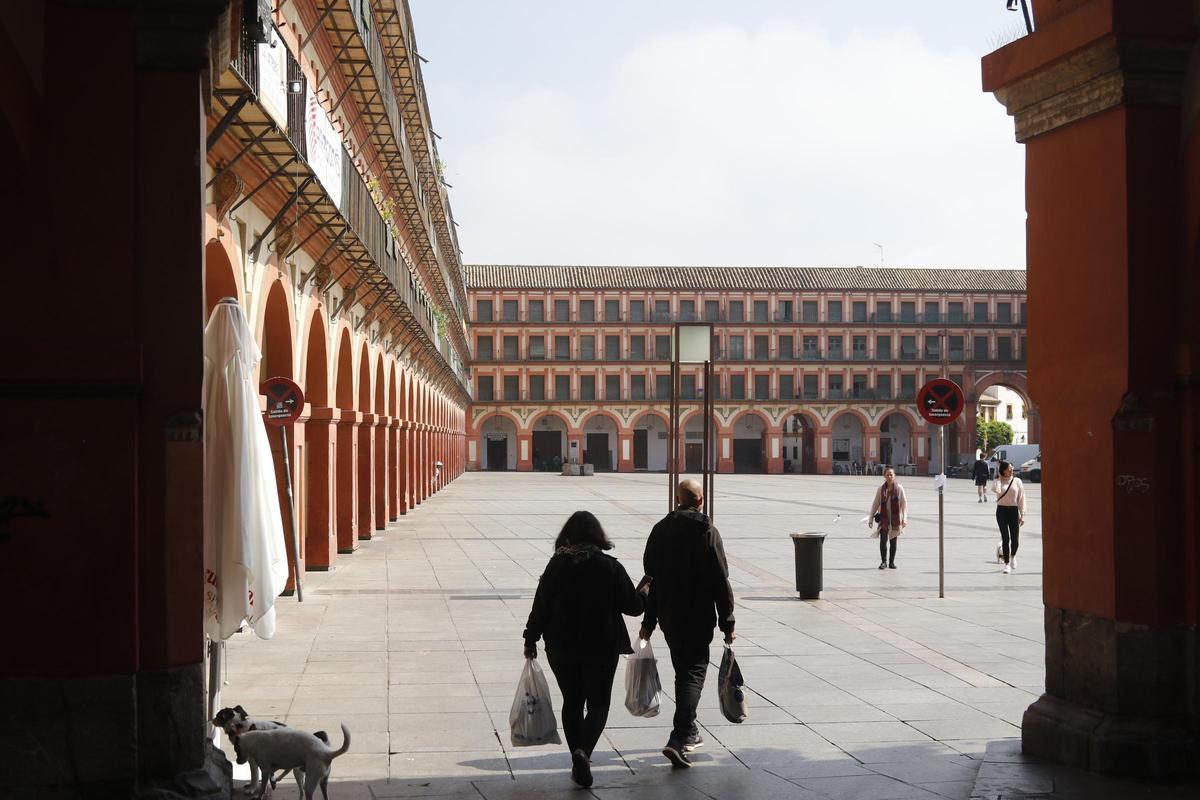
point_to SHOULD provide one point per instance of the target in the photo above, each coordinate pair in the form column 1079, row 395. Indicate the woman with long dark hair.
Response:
column 1010, row 513
column 890, row 510
column 578, row 606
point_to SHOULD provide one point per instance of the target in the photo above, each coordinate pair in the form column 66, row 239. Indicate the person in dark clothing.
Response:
column 982, row 473
column 690, row 594
column 577, row 609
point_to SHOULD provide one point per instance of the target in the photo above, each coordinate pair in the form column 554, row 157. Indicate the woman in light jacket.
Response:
column 890, row 510
column 1010, row 512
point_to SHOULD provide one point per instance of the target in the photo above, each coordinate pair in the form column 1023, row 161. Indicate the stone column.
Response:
column 1096, row 94
column 403, row 466
column 774, row 444
column 724, row 452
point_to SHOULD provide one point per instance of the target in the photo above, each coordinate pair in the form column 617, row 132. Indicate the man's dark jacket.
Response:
column 579, row 603
column 690, row 592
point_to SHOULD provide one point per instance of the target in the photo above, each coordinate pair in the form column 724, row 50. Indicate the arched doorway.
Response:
column 846, row 434
column 896, row 442
column 276, row 362
column 498, row 444
column 600, row 442
column 799, row 444
column 379, row 434
column 650, row 443
column 749, row 444
column 549, row 443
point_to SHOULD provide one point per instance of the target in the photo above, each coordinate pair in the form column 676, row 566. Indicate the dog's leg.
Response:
column 325, row 786
column 265, row 791
column 312, row 779
column 299, row 775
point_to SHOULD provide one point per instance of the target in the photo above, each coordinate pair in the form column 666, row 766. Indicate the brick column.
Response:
column 625, row 451
column 394, row 470
column 524, row 452
column 1096, row 94
column 724, row 452
column 320, row 535
column 403, row 466
column 345, row 505
column 774, row 445
column 381, row 472
column 366, row 476
column 823, row 445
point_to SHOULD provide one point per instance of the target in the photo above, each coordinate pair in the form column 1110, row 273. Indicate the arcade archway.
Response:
column 548, row 443
column 497, row 444
column 846, row 438
column 799, row 444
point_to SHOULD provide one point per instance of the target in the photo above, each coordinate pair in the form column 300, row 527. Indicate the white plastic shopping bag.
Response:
column 531, row 721
column 643, row 689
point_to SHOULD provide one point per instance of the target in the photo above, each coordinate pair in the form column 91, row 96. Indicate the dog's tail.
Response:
column 332, row 754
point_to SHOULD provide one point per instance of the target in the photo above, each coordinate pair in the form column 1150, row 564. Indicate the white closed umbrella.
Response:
column 245, row 563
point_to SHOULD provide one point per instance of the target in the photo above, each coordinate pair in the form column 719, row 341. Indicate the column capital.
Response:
column 1084, row 63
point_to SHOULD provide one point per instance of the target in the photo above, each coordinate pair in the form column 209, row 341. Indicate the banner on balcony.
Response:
column 272, row 79
column 324, row 147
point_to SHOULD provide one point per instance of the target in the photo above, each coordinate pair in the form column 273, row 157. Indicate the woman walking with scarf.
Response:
column 578, row 606
column 890, row 510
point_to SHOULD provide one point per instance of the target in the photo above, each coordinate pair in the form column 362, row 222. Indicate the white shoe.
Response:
column 1012, row 562
column 999, row 554
column 1007, row 569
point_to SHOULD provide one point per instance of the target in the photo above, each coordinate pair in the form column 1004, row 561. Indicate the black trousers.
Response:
column 584, row 680
column 1009, row 520
column 887, row 543
column 689, row 657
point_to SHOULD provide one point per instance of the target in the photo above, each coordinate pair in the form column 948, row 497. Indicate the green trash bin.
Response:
column 809, row 564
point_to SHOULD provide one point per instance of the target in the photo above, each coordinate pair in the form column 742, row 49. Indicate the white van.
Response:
column 1015, row 454
column 1031, row 470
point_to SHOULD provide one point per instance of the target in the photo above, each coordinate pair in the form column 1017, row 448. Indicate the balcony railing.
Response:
column 802, row 396
column 723, row 357
column 723, row 318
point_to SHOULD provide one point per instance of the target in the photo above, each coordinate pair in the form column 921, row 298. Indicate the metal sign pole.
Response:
column 942, row 512
column 287, row 474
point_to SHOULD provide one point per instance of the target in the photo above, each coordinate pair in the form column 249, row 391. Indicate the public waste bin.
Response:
column 809, row 566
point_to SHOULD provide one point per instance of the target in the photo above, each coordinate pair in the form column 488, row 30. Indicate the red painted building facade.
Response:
column 817, row 368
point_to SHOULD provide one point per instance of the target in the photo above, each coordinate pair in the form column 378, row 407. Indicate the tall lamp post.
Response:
column 692, row 344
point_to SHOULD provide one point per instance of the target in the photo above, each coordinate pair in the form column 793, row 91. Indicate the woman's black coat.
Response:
column 579, row 603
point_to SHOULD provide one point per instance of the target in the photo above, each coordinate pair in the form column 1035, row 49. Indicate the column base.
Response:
column 1081, row 737
column 139, row 735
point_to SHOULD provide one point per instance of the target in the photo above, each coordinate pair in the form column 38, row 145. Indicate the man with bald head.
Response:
column 690, row 594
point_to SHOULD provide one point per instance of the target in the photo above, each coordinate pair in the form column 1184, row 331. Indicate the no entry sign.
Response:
column 285, row 401
column 940, row 401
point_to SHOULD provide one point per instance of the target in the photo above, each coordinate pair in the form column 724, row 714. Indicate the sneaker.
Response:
column 1012, row 562
column 581, row 770
column 883, row 565
column 999, row 554
column 674, row 752
column 1007, row 569
column 692, row 743
column 981, row 499
column 892, row 565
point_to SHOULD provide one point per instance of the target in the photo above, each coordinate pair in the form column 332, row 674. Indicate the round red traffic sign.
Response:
column 940, row 401
column 285, row 400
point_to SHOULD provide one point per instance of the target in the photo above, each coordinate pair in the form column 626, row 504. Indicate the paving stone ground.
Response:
column 878, row 690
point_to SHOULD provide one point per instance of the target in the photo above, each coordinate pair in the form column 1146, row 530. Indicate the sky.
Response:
column 759, row 132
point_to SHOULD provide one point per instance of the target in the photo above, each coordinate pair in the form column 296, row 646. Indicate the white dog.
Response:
column 236, row 721
column 289, row 748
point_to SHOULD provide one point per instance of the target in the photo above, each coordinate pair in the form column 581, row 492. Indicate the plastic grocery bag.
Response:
column 643, row 689
column 531, row 721
column 729, row 687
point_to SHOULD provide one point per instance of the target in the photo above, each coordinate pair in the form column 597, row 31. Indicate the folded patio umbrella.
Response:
column 245, row 563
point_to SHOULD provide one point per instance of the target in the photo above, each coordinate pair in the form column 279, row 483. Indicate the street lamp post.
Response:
column 692, row 345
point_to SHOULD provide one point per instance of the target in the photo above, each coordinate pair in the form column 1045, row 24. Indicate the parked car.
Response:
column 1014, row 454
column 1031, row 470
